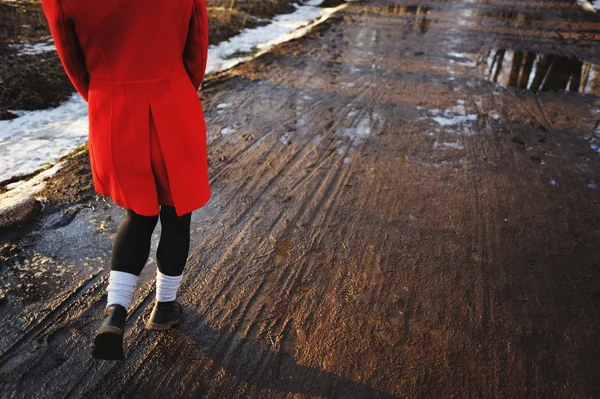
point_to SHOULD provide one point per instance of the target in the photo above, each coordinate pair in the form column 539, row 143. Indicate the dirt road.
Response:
column 385, row 222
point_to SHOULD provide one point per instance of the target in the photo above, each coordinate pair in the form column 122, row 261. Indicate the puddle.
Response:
column 476, row 16
column 510, row 15
column 283, row 252
column 420, row 22
column 411, row 9
column 539, row 72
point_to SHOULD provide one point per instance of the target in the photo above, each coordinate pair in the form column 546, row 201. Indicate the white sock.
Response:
column 121, row 286
column 166, row 286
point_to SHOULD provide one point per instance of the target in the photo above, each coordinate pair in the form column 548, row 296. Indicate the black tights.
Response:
column 132, row 243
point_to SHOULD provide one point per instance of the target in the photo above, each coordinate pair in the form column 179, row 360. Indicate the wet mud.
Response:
column 386, row 221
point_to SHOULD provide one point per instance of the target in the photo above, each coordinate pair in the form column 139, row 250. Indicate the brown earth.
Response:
column 385, row 222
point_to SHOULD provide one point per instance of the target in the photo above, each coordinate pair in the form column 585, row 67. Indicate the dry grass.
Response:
column 256, row 8
column 225, row 23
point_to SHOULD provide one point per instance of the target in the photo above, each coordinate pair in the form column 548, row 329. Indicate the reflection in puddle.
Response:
column 420, row 16
column 514, row 16
column 539, row 72
column 480, row 14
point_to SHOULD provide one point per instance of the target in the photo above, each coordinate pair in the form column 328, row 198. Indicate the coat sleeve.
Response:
column 67, row 45
column 195, row 52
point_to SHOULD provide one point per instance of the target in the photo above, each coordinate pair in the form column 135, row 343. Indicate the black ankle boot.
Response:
column 108, row 343
column 164, row 315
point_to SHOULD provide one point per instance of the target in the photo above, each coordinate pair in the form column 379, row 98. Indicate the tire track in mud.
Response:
column 60, row 311
column 255, row 305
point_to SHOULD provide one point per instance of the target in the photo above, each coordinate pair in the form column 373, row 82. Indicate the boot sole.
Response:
column 161, row 327
column 108, row 344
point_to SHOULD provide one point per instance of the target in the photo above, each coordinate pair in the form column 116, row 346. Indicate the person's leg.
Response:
column 171, row 257
column 172, row 252
column 129, row 256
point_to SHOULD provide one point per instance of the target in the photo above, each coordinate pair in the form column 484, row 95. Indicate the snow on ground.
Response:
column 590, row 5
column 38, row 138
column 455, row 119
column 253, row 42
column 18, row 191
column 34, row 48
column 447, row 144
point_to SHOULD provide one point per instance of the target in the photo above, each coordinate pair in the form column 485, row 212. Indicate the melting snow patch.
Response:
column 18, row 203
column 594, row 144
column 223, row 105
column 456, row 116
column 454, row 119
column 447, row 144
column 465, row 60
column 34, row 48
column 285, row 138
column 39, row 137
column 253, row 42
column 592, row 185
column 227, row 130
column 554, row 183
column 359, row 132
column 589, row 5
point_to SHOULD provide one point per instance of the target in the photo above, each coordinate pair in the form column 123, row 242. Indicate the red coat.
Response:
column 139, row 64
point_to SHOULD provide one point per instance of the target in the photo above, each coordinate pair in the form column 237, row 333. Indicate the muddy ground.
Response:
column 386, row 221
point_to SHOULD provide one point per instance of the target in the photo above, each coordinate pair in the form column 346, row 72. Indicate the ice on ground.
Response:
column 22, row 189
column 448, row 144
column 34, row 48
column 452, row 120
column 456, row 116
column 360, row 131
column 594, row 144
column 39, row 138
column 253, row 42
column 590, row 5
column 227, row 130
column 285, row 138
column 465, row 59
